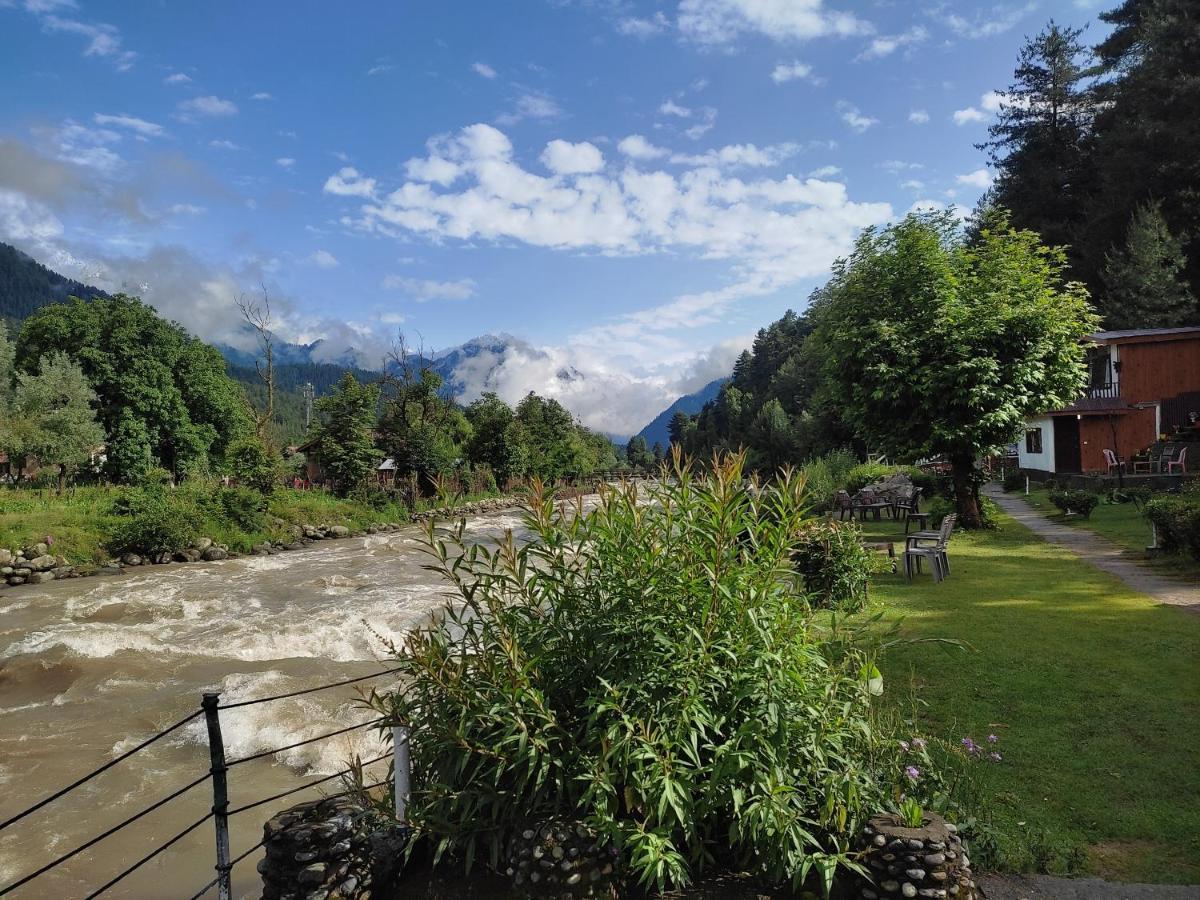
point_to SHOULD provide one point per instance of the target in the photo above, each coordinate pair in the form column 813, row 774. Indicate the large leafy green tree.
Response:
column 936, row 345
column 497, row 439
column 163, row 397
column 51, row 417
column 638, row 454
column 343, row 437
column 422, row 430
column 1144, row 285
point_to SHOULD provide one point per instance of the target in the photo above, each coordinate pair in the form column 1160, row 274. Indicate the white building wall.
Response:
column 1044, row 461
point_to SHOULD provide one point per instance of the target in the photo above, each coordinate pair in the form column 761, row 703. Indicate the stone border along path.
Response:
column 1099, row 552
column 1048, row 887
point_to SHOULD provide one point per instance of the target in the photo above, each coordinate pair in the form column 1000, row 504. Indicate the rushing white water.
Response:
column 88, row 668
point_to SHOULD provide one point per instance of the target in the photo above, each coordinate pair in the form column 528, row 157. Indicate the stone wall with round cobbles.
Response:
column 926, row 862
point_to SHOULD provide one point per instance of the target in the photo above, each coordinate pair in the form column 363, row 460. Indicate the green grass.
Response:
column 1092, row 687
column 1124, row 525
column 81, row 519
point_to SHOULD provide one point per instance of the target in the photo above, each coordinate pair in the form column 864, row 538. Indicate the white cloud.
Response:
column 177, row 78
column 899, row 165
column 185, row 209
column 770, row 232
column 643, row 28
column 323, row 259
column 102, row 40
column 968, row 115
column 223, row 144
column 992, row 100
column 980, row 178
column 671, row 108
column 422, row 290
column 635, row 146
column 739, row 155
column 213, row 107
column 380, row 69
column 530, row 105
column 716, row 22
column 886, row 45
column 704, row 126
column 482, row 68
column 985, row 23
column 855, row 118
column 913, row 184
column 565, row 158
column 918, row 117
column 347, row 182
column 141, row 126
column 285, row 162
column 825, row 172
column 261, row 95
column 793, row 71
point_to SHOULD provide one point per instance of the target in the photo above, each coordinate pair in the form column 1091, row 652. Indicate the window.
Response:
column 1033, row 440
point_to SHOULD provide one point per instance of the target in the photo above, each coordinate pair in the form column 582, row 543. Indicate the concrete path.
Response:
column 1047, row 887
column 1101, row 553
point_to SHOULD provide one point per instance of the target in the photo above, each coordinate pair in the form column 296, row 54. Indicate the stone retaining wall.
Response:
column 926, row 862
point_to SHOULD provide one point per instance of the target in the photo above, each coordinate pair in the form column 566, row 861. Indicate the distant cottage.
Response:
column 1143, row 384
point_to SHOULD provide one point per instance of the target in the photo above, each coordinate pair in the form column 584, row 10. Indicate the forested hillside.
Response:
column 26, row 285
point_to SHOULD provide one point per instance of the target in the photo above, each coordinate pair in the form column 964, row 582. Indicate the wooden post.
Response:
column 1026, row 485
column 402, row 766
column 220, row 808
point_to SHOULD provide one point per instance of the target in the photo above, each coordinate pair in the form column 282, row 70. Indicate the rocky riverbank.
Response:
column 37, row 564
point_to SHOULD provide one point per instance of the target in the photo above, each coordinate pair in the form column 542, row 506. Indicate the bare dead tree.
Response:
column 257, row 314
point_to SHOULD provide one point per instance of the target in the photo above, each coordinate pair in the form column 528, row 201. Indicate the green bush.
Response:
column 153, row 521
column 867, row 473
column 834, row 564
column 1074, row 501
column 242, row 507
column 1178, row 522
column 1013, row 481
column 254, row 464
column 645, row 668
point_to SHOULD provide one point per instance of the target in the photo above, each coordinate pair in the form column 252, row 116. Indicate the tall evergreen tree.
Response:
column 1038, row 143
column 343, row 437
column 1143, row 281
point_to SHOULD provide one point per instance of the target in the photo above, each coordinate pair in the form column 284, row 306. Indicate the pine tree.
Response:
column 343, row 437
column 1144, row 284
column 1038, row 143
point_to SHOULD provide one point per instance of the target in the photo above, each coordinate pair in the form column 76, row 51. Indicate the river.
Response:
column 89, row 667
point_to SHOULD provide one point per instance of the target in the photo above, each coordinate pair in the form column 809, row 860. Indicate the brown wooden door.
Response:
column 1067, row 458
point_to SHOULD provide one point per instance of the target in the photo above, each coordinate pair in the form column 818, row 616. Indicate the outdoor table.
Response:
column 921, row 517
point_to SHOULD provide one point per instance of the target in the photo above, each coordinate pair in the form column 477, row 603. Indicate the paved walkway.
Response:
column 1101, row 553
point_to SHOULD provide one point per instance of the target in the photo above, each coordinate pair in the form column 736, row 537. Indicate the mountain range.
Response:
column 484, row 363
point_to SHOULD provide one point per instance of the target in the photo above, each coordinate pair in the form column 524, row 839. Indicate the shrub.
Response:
column 1013, row 481
column 1074, row 501
column 866, row 473
column 644, row 668
column 241, row 507
column 254, row 464
column 1178, row 522
column 834, row 564
column 153, row 521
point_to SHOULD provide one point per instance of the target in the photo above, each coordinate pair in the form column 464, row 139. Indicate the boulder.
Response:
column 42, row 563
column 339, row 531
column 41, row 577
column 203, row 544
column 6, row 557
column 213, row 553
column 131, row 559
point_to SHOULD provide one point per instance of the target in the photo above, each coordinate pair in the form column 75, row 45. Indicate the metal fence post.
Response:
column 403, row 771
column 216, row 752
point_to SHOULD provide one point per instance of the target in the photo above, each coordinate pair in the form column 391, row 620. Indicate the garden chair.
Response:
column 1115, row 464
column 842, row 504
column 930, row 545
column 868, row 501
column 907, row 502
column 1178, row 463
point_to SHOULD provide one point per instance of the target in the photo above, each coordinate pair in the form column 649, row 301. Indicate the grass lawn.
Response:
column 1093, row 689
column 1124, row 525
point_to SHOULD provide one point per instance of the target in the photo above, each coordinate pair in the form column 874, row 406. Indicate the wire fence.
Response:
column 217, row 775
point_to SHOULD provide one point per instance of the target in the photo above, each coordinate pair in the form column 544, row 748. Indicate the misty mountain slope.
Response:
column 657, row 431
column 26, row 285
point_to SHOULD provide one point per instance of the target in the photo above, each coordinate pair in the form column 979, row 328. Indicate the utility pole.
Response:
column 309, row 393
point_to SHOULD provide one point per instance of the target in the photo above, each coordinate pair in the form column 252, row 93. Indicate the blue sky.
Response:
column 630, row 188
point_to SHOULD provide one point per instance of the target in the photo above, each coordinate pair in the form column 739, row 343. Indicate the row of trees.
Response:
column 930, row 339
column 407, row 417
column 1095, row 150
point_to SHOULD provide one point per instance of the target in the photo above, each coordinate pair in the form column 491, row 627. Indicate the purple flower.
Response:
column 992, row 739
column 912, row 772
column 995, row 757
column 971, row 746
column 919, row 743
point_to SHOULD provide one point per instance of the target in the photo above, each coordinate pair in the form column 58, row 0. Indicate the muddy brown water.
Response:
column 90, row 667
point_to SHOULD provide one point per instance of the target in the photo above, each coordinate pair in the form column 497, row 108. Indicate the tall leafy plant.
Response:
column 652, row 668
